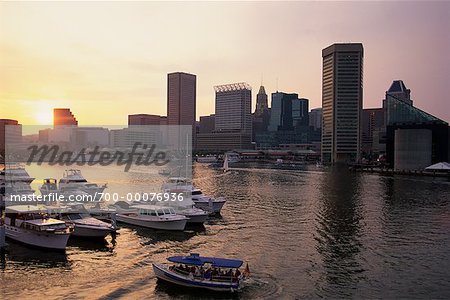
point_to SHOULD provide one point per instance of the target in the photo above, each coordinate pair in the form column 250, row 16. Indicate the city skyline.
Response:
column 121, row 67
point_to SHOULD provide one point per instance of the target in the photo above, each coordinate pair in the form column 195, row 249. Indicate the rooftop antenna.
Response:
column 277, row 84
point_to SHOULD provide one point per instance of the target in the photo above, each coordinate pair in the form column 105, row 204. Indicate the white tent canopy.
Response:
column 445, row 166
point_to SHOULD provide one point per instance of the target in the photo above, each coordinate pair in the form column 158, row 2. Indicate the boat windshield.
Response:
column 75, row 217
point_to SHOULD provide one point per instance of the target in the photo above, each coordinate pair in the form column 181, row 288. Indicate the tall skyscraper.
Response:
column 233, row 108
column 261, row 101
column 315, row 118
column 342, row 98
column 261, row 116
column 281, row 117
column 232, row 121
column 181, row 100
column 10, row 132
column 64, row 117
column 399, row 91
column 288, row 112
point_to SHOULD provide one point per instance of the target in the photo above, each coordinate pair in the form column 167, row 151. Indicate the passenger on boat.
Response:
column 207, row 274
column 229, row 273
column 191, row 275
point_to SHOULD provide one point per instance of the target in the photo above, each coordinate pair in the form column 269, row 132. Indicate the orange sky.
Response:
column 106, row 60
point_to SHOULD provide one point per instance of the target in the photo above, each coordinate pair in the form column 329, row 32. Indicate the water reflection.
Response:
column 18, row 254
column 153, row 236
column 94, row 244
column 338, row 231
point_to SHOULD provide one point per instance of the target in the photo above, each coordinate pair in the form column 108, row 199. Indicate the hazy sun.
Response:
column 44, row 115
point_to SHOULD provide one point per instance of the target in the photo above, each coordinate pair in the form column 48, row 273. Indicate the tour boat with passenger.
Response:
column 211, row 273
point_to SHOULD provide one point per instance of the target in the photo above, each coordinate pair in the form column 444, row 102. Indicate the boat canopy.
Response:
column 197, row 260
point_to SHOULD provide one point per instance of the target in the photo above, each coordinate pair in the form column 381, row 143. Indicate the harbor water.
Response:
column 305, row 233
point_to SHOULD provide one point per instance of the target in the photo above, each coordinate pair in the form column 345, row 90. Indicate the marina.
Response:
column 344, row 233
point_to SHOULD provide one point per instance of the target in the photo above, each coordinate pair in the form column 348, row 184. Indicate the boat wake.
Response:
column 261, row 286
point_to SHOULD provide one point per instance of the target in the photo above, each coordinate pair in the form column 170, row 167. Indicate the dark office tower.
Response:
column 261, row 117
column 300, row 109
column 64, row 117
column 261, row 102
column 10, row 132
column 207, row 124
column 287, row 111
column 144, row 119
column 181, row 100
column 342, row 98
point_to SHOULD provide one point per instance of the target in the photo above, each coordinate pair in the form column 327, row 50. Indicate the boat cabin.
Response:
column 33, row 217
column 154, row 210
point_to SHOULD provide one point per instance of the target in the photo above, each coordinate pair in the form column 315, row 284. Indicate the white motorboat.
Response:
column 210, row 204
column 15, row 182
column 31, row 225
column 206, row 203
column 152, row 216
column 195, row 215
column 74, row 180
column 87, row 226
column 102, row 213
column 17, row 173
column 233, row 157
column 68, row 195
column 187, row 208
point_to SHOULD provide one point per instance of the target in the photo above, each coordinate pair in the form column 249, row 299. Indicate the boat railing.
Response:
column 220, row 278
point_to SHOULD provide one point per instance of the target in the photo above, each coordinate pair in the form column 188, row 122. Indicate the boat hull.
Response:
column 179, row 224
column 214, row 206
column 35, row 239
column 90, row 232
column 196, row 219
column 163, row 273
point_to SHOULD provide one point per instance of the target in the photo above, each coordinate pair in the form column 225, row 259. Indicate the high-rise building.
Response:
column 261, row 116
column 300, row 113
column 207, row 124
column 414, row 138
column 315, row 124
column 10, row 132
column 372, row 126
column 233, row 119
column 64, row 117
column 181, row 100
column 261, row 101
column 399, row 91
column 315, row 118
column 233, row 107
column 342, row 98
column 282, row 117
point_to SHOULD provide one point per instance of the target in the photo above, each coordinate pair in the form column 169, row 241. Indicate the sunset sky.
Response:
column 106, row 60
